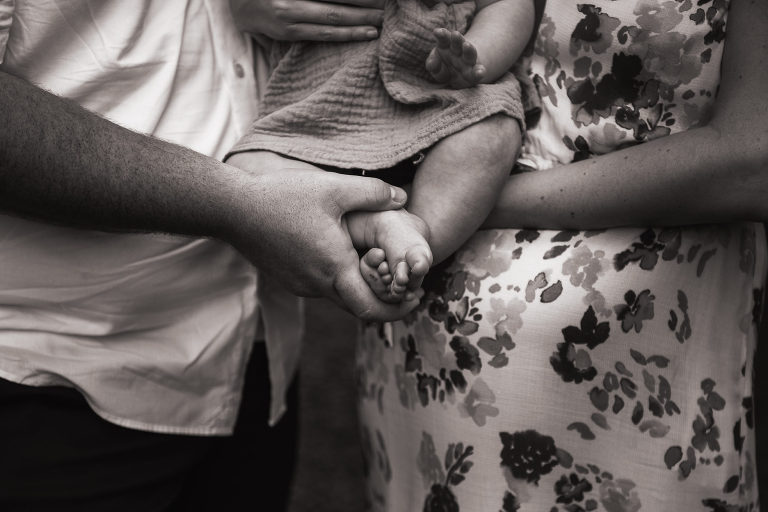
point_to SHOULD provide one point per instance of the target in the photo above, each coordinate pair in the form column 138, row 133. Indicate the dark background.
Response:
column 329, row 469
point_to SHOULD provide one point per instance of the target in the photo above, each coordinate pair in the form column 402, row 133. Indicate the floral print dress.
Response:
column 581, row 370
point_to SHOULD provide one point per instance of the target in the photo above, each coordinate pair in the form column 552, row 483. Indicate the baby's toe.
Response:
column 384, row 274
column 402, row 274
column 374, row 257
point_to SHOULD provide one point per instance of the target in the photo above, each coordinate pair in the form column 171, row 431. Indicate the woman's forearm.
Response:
column 699, row 176
column 714, row 173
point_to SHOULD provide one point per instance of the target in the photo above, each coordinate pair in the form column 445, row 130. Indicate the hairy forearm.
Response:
column 63, row 164
column 500, row 32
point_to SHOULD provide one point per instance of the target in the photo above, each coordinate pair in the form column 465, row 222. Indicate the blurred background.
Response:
column 329, row 471
column 329, row 474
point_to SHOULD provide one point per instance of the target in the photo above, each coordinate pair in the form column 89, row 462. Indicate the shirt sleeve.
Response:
column 6, row 17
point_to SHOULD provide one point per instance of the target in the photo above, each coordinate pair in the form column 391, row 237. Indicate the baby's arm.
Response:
column 493, row 43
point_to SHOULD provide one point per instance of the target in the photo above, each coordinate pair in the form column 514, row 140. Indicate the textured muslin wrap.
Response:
column 372, row 104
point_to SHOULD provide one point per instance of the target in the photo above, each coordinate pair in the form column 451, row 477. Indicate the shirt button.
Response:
column 239, row 71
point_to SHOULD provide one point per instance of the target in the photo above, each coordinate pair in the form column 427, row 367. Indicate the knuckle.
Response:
column 376, row 190
column 292, row 32
column 332, row 16
column 325, row 34
column 373, row 19
column 282, row 9
column 365, row 314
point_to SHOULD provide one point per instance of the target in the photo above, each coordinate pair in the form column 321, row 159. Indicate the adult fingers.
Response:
column 334, row 14
column 358, row 193
column 329, row 33
column 375, row 4
column 354, row 295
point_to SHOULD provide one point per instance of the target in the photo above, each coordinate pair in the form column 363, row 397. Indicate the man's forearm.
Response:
column 60, row 163
column 63, row 164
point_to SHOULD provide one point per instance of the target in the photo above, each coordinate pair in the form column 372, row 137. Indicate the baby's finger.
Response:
column 435, row 66
column 475, row 74
column 479, row 72
column 434, row 63
column 442, row 37
column 468, row 53
column 457, row 42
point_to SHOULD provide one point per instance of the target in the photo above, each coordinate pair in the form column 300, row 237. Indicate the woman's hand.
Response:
column 309, row 20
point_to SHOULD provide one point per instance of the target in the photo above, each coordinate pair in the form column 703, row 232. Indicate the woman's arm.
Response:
column 714, row 173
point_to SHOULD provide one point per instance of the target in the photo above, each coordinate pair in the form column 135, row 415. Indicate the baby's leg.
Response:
column 458, row 182
column 399, row 255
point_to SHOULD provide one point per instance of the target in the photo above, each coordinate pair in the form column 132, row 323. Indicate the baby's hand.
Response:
column 454, row 60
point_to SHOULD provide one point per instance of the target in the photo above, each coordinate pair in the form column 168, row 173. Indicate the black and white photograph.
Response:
column 383, row 255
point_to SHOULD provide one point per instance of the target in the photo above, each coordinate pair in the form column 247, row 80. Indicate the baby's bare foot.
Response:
column 400, row 258
column 454, row 60
column 375, row 271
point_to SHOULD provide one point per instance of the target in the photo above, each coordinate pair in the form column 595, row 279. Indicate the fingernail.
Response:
column 372, row 33
column 397, row 195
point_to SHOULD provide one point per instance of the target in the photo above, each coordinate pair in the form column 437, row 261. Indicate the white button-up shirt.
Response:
column 154, row 330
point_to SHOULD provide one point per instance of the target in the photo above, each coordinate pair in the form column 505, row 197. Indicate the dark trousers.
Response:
column 56, row 454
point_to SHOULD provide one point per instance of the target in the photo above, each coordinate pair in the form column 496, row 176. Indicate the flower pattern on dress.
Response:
column 606, row 370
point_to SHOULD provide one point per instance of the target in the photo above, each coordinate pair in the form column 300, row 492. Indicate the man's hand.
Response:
column 309, row 20
column 293, row 229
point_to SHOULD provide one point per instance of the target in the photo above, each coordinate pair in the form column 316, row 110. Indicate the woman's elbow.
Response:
column 741, row 150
